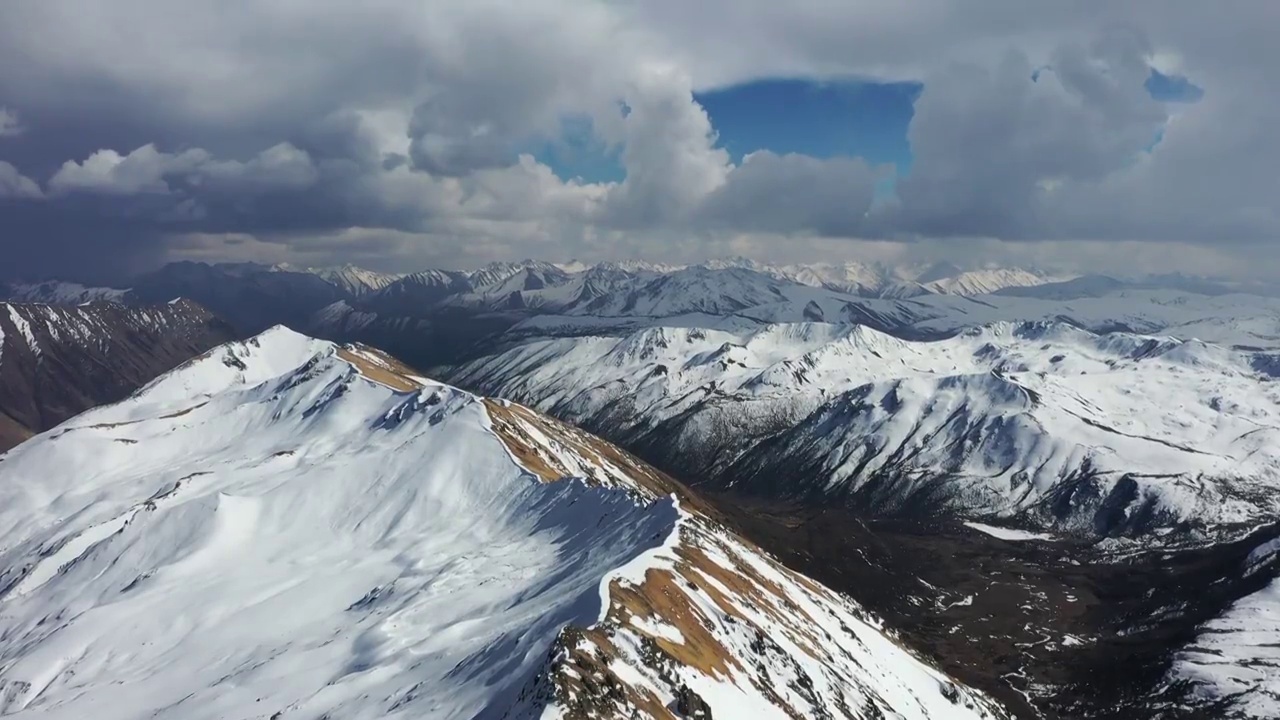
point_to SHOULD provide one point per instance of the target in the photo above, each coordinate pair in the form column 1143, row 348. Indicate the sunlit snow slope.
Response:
column 285, row 528
column 1235, row 660
column 1111, row 433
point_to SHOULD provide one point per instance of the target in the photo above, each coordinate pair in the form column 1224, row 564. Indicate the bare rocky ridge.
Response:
column 57, row 361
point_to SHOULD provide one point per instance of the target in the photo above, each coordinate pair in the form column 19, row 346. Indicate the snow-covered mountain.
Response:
column 546, row 299
column 984, row 282
column 716, row 287
column 417, row 293
column 1124, row 473
column 355, row 281
column 57, row 361
column 1244, row 320
column 895, row 281
column 289, row 527
column 1235, row 660
column 249, row 296
column 1043, row 422
column 56, row 292
column 534, row 274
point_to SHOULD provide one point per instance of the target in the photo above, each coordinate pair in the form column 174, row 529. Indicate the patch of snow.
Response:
column 1236, row 658
column 1008, row 533
column 24, row 328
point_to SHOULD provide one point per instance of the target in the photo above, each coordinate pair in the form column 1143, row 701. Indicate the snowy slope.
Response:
column 286, row 527
column 59, row 360
column 530, row 284
column 983, row 282
column 356, row 281
column 1061, row 427
column 1236, row 658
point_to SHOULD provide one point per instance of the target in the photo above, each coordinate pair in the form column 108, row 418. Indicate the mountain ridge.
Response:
column 586, row 584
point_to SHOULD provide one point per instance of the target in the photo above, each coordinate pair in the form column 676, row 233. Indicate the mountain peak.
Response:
column 344, row 536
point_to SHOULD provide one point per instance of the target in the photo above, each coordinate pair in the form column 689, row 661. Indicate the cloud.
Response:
column 339, row 128
column 147, row 170
column 794, row 193
column 14, row 184
column 669, row 151
column 9, row 124
column 994, row 146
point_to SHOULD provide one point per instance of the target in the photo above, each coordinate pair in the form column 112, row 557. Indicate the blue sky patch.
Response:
column 823, row 119
column 578, row 153
column 852, row 118
column 1172, row 88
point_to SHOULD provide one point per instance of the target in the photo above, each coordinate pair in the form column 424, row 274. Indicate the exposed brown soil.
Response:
column 510, row 420
column 381, row 368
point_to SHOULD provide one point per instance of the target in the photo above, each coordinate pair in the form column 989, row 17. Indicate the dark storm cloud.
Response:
column 131, row 127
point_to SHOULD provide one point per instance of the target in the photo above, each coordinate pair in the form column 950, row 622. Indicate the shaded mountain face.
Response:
column 287, row 526
column 58, row 361
column 250, row 297
column 413, row 294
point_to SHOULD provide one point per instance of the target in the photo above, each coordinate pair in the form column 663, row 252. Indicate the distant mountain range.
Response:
column 1044, row 424
column 351, row 303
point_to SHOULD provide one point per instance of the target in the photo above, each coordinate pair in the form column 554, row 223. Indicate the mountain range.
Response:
column 1051, row 496
column 289, row 527
column 1045, row 424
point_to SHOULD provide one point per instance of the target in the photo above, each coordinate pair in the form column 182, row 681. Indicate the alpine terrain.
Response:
column 1060, row 491
column 1076, row 517
column 57, row 360
column 285, row 527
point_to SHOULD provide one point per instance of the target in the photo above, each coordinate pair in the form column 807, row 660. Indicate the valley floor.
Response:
column 1054, row 629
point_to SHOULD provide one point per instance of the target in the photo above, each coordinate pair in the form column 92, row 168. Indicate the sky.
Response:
column 403, row 134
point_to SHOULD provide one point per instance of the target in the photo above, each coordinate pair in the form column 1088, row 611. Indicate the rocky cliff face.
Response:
column 57, row 361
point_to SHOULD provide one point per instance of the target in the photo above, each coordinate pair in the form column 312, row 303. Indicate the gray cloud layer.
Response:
column 393, row 131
